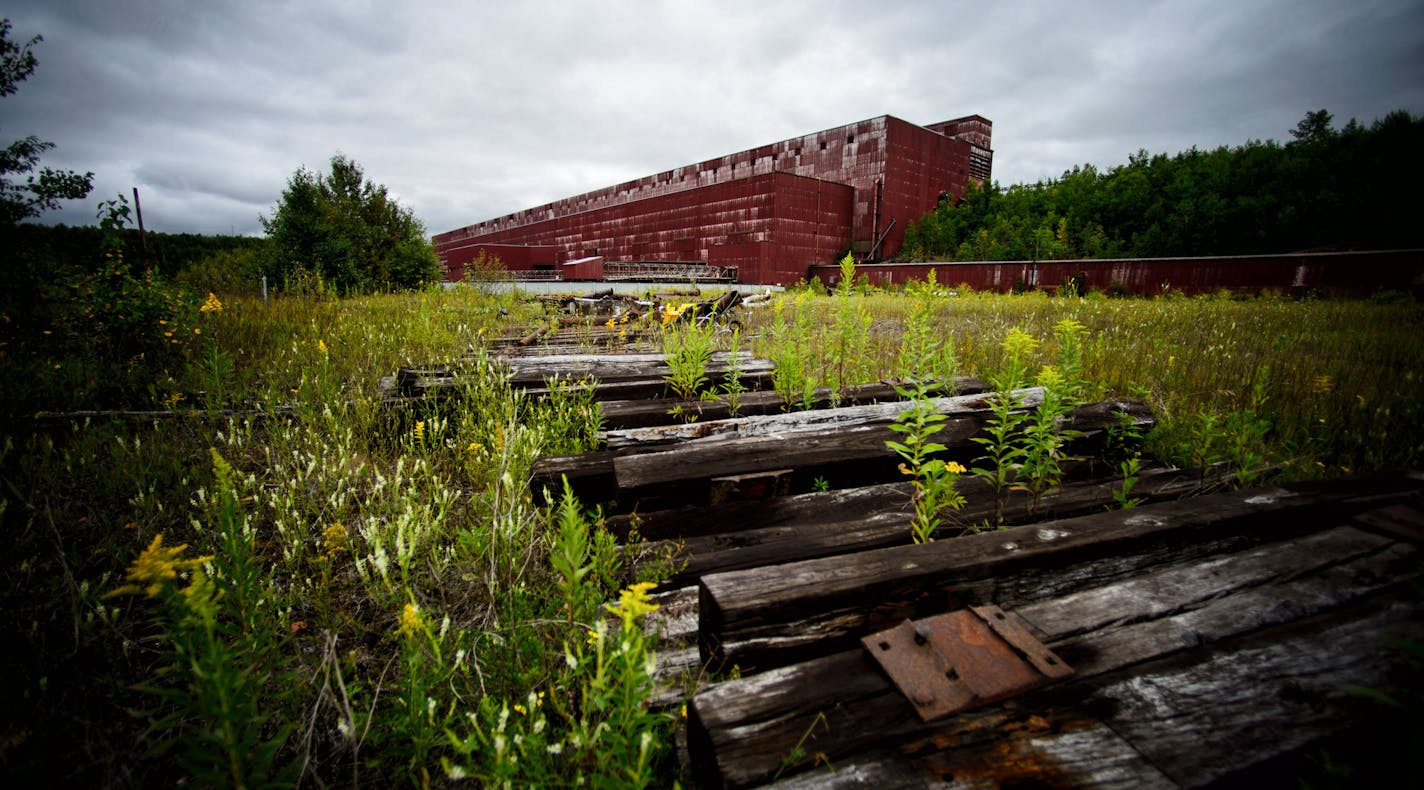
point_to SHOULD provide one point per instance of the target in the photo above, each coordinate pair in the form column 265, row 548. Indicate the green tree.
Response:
column 39, row 191
column 1325, row 189
column 348, row 232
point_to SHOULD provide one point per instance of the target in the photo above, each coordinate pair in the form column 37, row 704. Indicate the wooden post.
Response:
column 142, row 241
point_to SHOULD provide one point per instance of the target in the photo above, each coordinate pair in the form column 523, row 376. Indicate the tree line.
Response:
column 1326, row 189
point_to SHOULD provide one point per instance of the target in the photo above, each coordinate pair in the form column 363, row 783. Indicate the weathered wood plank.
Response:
column 1205, row 720
column 651, row 388
column 747, row 616
column 611, row 376
column 533, row 370
column 740, row 731
column 826, row 525
column 851, row 435
column 699, row 436
column 835, row 436
column 627, row 414
column 1039, row 753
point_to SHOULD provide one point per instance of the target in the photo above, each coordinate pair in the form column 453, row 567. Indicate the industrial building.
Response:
column 763, row 215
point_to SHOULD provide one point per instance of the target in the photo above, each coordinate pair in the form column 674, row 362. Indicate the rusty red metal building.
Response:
column 770, row 211
column 1356, row 273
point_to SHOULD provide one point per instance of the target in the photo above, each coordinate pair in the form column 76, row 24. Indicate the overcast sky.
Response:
column 470, row 110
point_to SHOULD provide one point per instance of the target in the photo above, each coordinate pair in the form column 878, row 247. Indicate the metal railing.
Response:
column 669, row 271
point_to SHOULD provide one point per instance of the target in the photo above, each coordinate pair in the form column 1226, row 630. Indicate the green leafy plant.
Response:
column 1122, row 495
column 1044, row 438
column 1003, row 450
column 850, row 335
column 224, row 649
column 791, row 353
column 689, row 347
column 935, row 479
column 732, row 387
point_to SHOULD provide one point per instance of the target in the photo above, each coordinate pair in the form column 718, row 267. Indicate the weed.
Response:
column 850, row 335
column 1044, row 438
column 689, row 346
column 791, row 354
column 1004, row 453
column 732, row 386
column 1122, row 495
column 935, row 479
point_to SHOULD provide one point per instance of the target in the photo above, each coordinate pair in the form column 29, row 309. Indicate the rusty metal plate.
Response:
column 956, row 661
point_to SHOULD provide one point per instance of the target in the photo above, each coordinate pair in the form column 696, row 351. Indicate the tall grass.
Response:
column 372, row 595
column 1337, row 382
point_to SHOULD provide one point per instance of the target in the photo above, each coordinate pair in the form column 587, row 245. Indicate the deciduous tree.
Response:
column 348, row 232
column 39, row 191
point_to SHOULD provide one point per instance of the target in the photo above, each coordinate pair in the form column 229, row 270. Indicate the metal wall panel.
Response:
column 1339, row 274
column 894, row 170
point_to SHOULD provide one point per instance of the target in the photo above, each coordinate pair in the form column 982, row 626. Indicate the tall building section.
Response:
column 770, row 211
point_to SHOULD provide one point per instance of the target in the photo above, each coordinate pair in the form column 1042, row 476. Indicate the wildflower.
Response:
column 411, row 623
column 955, row 468
column 419, row 433
column 520, row 709
column 321, row 346
column 155, row 566
column 634, row 602
column 200, row 597
column 211, row 304
column 333, row 539
column 1019, row 343
column 474, row 447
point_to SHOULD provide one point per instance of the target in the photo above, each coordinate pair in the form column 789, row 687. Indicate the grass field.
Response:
column 360, row 595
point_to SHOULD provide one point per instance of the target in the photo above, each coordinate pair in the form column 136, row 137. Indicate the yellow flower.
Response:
column 155, row 566
column 419, row 433
column 955, row 468
column 333, row 539
column 211, row 304
column 634, row 602
column 411, row 623
column 320, row 346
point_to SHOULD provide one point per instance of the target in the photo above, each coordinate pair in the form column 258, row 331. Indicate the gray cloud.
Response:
column 468, row 110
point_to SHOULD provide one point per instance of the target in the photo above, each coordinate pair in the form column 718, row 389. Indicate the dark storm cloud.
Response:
column 470, row 110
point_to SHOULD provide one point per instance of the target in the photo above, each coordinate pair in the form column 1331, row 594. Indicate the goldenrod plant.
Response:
column 934, row 478
column 1004, row 452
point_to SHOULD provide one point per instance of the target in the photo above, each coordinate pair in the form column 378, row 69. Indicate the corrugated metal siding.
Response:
column 1343, row 273
column 722, row 203
column 771, row 227
column 515, row 257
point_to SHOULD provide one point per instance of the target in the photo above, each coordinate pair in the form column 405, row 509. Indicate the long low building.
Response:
column 769, row 213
